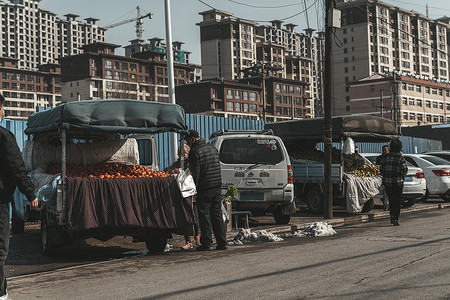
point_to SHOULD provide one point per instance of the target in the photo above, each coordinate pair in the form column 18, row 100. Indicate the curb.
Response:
column 351, row 220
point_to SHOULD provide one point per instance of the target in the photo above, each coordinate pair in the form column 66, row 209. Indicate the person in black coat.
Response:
column 12, row 174
column 205, row 169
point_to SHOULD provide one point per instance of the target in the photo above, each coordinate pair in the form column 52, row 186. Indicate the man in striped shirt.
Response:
column 394, row 169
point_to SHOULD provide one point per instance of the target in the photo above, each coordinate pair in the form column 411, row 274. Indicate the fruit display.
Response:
column 298, row 151
column 107, row 171
column 366, row 170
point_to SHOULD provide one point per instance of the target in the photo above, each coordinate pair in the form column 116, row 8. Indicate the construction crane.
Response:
column 138, row 20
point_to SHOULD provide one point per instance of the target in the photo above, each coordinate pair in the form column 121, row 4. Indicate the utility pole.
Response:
column 394, row 113
column 173, row 138
column 381, row 102
column 331, row 16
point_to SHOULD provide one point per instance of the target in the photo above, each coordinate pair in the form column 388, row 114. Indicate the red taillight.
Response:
column 290, row 174
column 420, row 175
column 441, row 172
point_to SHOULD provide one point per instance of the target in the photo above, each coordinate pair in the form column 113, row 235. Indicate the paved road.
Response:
column 366, row 261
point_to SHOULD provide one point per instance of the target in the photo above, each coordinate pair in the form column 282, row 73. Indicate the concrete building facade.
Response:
column 36, row 36
column 378, row 37
column 416, row 101
column 25, row 90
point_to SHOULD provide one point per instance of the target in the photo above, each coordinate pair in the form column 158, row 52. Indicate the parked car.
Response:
column 442, row 154
column 437, row 174
column 414, row 188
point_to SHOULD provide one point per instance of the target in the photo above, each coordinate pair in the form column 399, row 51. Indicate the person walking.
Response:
column 12, row 174
column 393, row 169
column 205, row 169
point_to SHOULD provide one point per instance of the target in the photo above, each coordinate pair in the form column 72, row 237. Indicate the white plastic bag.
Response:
column 186, row 183
column 225, row 216
column 349, row 146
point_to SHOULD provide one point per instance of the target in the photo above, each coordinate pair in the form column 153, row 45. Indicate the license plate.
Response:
column 251, row 196
column 408, row 178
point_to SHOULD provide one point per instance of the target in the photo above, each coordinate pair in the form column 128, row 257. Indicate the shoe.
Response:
column 203, row 248
column 197, row 240
column 223, row 247
column 5, row 297
column 395, row 223
column 187, row 246
column 392, row 220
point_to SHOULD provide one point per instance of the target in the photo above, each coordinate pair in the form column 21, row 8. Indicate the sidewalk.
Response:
column 303, row 218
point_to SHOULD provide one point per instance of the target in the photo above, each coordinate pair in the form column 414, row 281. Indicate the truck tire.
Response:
column 280, row 218
column 368, row 206
column 47, row 248
column 156, row 242
column 17, row 224
column 314, row 200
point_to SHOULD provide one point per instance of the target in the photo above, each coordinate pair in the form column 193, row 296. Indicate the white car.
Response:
column 414, row 187
column 437, row 174
column 445, row 154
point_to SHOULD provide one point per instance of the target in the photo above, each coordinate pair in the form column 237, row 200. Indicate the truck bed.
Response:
column 309, row 173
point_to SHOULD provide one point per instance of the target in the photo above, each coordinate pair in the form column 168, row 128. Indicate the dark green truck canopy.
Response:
column 360, row 128
column 111, row 116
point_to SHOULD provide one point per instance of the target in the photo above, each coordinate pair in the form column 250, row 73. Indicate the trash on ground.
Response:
column 314, row 230
column 168, row 248
column 246, row 235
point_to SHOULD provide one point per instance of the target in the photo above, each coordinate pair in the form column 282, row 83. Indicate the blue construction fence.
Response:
column 206, row 125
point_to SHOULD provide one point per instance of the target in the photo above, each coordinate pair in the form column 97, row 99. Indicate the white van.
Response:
column 258, row 165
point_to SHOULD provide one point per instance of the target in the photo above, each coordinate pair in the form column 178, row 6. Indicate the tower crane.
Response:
column 138, row 20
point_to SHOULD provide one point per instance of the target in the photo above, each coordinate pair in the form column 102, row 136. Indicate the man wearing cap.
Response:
column 205, row 169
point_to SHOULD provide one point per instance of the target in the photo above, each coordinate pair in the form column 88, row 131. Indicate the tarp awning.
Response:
column 111, row 115
column 360, row 128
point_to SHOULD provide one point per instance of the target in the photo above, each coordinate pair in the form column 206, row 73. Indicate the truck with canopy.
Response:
column 95, row 164
column 354, row 181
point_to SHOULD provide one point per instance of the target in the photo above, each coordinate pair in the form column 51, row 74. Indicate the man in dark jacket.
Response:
column 12, row 174
column 393, row 168
column 205, row 169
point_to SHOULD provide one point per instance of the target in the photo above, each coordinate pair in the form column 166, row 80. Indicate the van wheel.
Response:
column 47, row 249
column 280, row 218
column 18, row 225
column 156, row 242
column 368, row 206
column 314, row 200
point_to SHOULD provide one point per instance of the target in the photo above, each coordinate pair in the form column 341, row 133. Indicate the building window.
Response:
column 419, row 117
column 237, row 106
column 229, row 94
column 108, row 74
column 419, row 102
column 230, row 106
column 411, row 101
column 278, row 110
column 441, row 105
column 412, row 116
column 428, row 104
column 253, row 96
column 405, row 116
column 108, row 64
column 277, row 98
column 404, row 100
column 418, row 88
column 435, row 104
column 237, row 95
column 429, row 118
column 245, row 107
column 253, row 108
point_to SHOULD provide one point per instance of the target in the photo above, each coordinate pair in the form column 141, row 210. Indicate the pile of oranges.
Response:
column 107, row 171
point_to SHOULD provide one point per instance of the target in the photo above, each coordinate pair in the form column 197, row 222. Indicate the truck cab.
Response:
column 258, row 165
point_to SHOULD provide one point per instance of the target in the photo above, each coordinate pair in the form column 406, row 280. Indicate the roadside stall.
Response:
column 95, row 166
column 355, row 181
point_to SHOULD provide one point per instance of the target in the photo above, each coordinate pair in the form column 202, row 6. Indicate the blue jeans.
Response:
column 4, row 244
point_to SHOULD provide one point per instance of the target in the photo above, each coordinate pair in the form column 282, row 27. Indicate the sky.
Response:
column 184, row 15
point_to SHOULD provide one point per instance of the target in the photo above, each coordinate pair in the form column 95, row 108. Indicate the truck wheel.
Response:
column 46, row 248
column 157, row 242
column 280, row 218
column 314, row 200
column 445, row 197
column 18, row 225
column 368, row 206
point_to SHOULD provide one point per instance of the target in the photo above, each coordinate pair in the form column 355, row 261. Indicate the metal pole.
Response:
column 169, row 51
column 327, row 125
column 264, row 96
column 381, row 102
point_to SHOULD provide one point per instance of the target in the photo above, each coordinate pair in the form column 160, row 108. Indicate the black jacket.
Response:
column 205, row 166
column 12, row 169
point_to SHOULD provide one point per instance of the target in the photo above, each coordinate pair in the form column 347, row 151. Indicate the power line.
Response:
column 265, row 21
column 405, row 2
column 255, row 6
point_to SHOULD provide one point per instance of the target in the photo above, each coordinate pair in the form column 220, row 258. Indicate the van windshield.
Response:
column 250, row 151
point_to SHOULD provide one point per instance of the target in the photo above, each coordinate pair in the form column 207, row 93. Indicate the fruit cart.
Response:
column 301, row 138
column 87, row 159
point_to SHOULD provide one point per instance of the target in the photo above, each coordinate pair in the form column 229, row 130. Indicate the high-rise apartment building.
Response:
column 378, row 37
column 230, row 45
column 36, row 36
